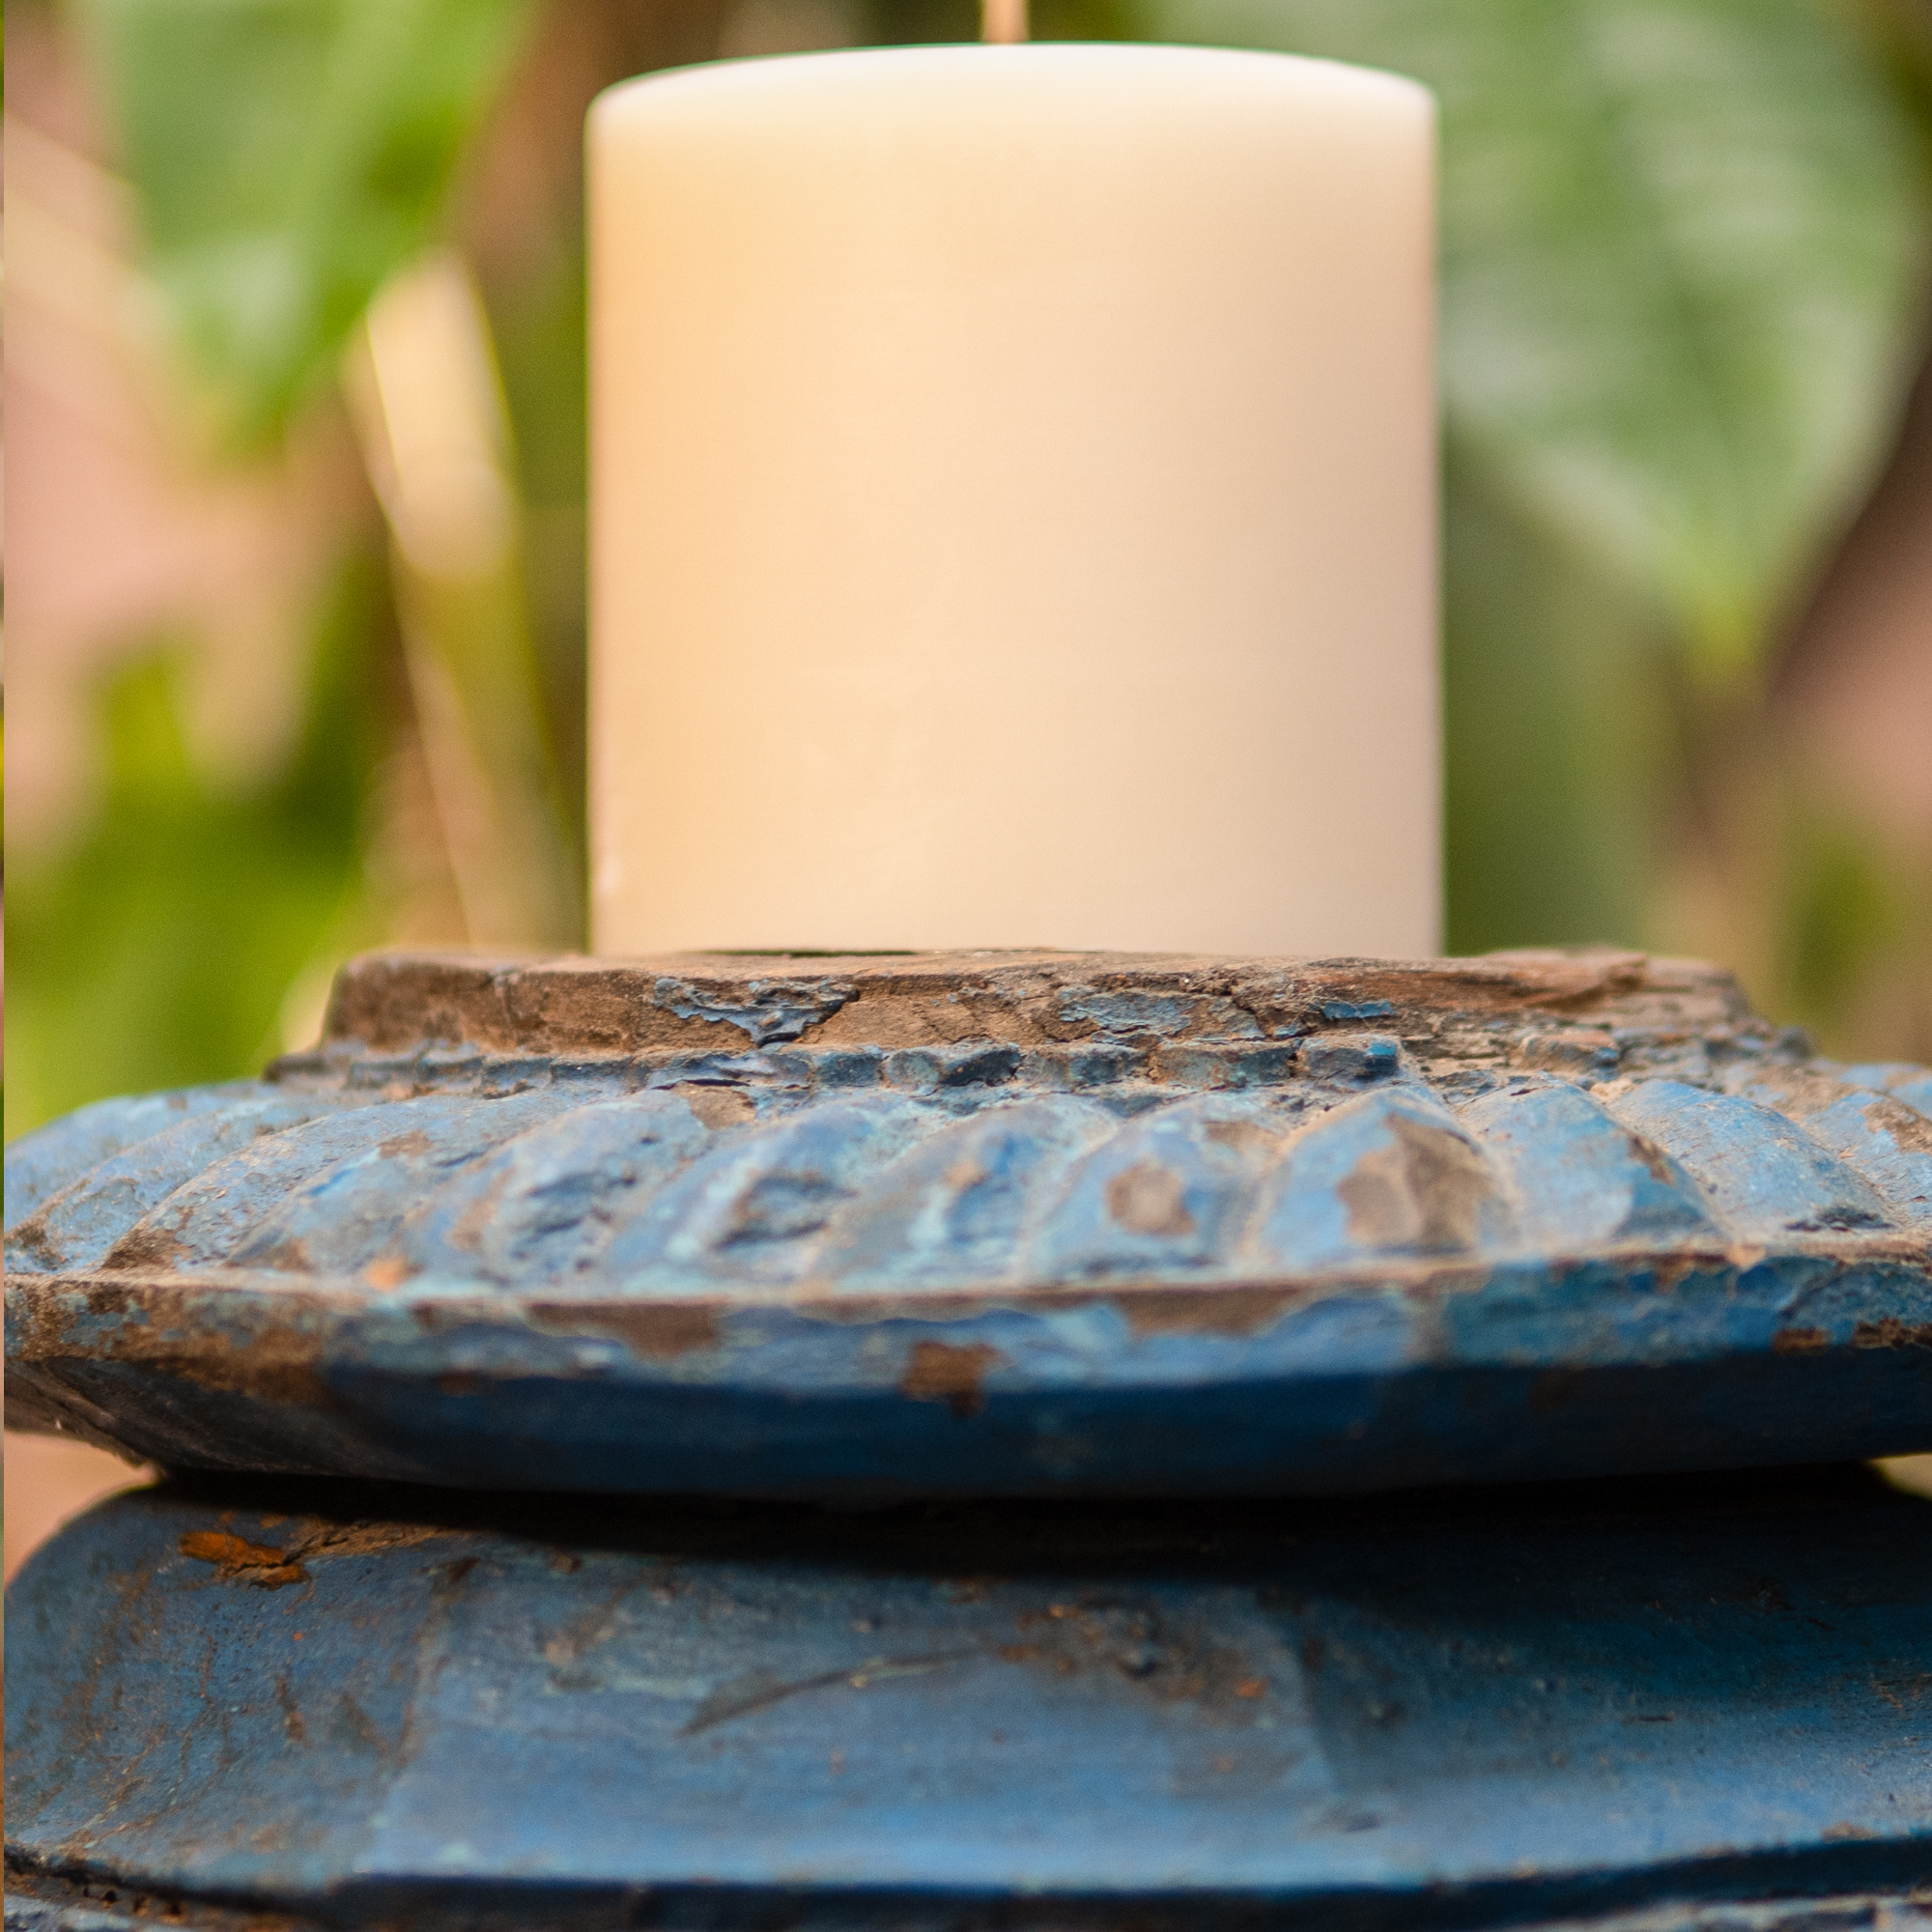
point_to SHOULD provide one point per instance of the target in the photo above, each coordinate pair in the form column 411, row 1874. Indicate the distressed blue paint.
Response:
column 1881, row 1134
column 1764, row 1174
column 538, row 1208
column 1152, row 1234
column 350, row 1204
column 768, row 1011
column 956, row 1207
column 1469, row 1712
column 1911, row 1083
column 1351, row 1057
column 1164, row 1197
column 329, row 1177
column 1133, row 1013
column 77, row 1224
column 42, row 1163
column 750, row 1209
column 980, row 1267
column 1535, row 1373
column 1388, row 1176
column 1573, row 1176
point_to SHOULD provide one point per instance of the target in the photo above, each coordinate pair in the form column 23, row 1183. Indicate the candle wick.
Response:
column 1003, row 23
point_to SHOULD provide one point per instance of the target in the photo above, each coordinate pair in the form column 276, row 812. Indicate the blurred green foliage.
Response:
column 1554, row 731
column 1682, row 253
column 1685, row 254
column 159, row 948
column 289, row 154
column 543, row 352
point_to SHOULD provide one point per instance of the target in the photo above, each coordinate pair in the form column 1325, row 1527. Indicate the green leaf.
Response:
column 1555, row 733
column 155, row 947
column 1682, row 244
column 1846, row 905
column 287, row 155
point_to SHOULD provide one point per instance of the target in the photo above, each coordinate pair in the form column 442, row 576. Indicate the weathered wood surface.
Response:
column 993, row 1222
column 1700, row 1708
column 698, row 1002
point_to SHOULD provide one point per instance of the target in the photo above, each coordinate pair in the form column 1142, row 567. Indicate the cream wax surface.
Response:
column 1014, row 485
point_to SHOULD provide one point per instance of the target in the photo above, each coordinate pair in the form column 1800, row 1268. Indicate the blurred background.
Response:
column 296, row 573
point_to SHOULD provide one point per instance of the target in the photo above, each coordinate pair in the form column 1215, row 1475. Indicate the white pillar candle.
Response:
column 1013, row 504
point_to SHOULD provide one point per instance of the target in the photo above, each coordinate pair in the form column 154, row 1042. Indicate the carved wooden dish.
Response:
column 993, row 1223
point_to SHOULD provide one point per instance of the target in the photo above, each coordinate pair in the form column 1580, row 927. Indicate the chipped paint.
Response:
column 653, row 1333
column 765, row 1011
column 1693, row 1706
column 1313, row 1259
column 236, row 1561
column 941, row 1372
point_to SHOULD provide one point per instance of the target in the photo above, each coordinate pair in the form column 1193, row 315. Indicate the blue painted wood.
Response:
column 995, row 1225
column 82, row 1219
column 41, row 1165
column 995, row 1228
column 363, row 1707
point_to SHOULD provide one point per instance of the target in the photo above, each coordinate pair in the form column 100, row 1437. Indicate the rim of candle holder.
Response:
column 1019, row 1222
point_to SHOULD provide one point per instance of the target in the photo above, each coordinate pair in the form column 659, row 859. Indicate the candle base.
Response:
column 1025, row 1227
column 1692, row 1707
column 993, row 1223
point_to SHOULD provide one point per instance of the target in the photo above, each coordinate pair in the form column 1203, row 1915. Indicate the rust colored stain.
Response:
column 939, row 1372
column 291, row 1717
column 267, row 1567
column 290, row 1256
column 1800, row 1341
column 1805, row 1093
column 1901, row 1691
column 1802, row 1091
column 1202, row 1311
column 1243, row 1136
column 1149, row 1198
column 32, row 1236
column 658, row 1333
column 1426, row 1191
column 387, row 1271
column 1162, row 1660
column 1670, row 1273
column 145, row 1248
column 1909, row 1132
column 238, row 1561
column 1656, row 1161
column 392, row 1001
column 717, row 1106
column 275, row 1359
column 321, row 1540
column 1892, row 1333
